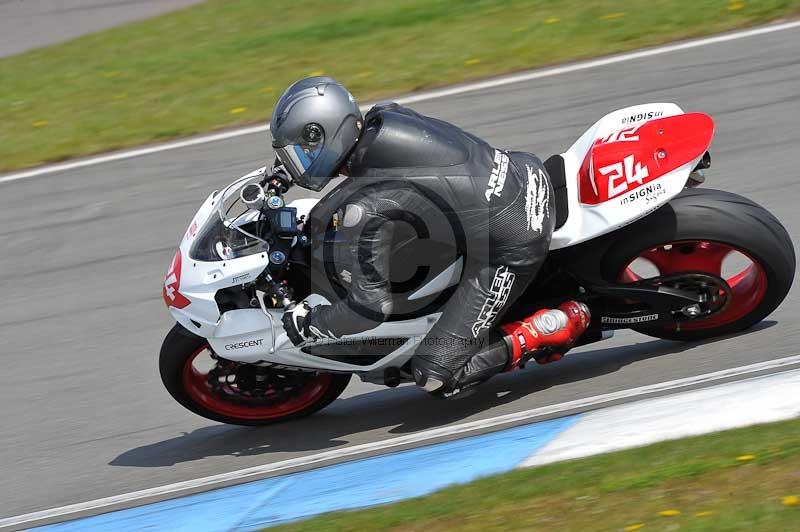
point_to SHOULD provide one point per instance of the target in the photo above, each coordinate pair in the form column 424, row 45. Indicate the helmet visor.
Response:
column 299, row 156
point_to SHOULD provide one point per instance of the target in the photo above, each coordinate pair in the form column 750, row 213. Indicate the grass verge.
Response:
column 225, row 62
column 745, row 479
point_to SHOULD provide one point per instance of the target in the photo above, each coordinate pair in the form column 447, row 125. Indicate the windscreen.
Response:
column 234, row 229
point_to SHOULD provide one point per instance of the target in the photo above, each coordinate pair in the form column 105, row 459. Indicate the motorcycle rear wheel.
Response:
column 696, row 232
column 240, row 394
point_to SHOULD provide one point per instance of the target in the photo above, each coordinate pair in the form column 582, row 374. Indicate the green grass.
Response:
column 225, row 62
column 737, row 480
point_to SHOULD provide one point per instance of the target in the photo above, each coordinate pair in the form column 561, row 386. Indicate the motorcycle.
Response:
column 635, row 239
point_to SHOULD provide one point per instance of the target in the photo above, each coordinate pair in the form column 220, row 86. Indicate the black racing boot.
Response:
column 441, row 382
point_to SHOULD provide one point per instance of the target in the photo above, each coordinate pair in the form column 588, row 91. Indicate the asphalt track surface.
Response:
column 27, row 24
column 84, row 413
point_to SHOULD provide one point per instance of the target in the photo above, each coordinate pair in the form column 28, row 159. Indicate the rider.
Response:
column 406, row 166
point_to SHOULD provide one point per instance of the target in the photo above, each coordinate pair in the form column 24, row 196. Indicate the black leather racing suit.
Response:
column 409, row 169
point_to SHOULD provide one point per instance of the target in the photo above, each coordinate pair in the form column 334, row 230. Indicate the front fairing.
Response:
column 197, row 281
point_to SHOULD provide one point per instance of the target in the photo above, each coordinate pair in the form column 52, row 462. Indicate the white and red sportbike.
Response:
column 635, row 240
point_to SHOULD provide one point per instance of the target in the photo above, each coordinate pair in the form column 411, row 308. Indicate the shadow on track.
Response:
column 402, row 410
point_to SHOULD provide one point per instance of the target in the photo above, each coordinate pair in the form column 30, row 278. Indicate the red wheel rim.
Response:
column 197, row 386
column 748, row 285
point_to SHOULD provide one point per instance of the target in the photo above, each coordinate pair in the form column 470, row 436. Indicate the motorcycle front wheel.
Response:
column 240, row 394
column 712, row 232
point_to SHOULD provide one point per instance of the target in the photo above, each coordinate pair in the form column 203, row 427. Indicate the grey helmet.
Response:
column 315, row 125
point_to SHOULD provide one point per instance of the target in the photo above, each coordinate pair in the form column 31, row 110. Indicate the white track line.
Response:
column 418, row 437
column 744, row 402
column 424, row 96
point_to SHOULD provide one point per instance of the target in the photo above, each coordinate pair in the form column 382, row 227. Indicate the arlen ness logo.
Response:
column 498, row 178
column 498, row 295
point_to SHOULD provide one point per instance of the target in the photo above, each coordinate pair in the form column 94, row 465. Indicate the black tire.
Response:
column 715, row 216
column 178, row 350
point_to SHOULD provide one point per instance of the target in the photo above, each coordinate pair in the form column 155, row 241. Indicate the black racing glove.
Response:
column 277, row 179
column 299, row 324
column 294, row 324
